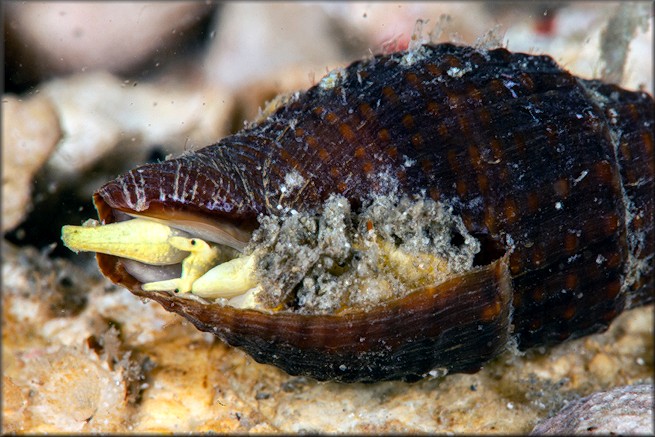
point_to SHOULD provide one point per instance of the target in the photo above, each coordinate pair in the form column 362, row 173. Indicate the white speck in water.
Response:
column 600, row 259
column 510, row 406
column 640, row 361
column 558, row 205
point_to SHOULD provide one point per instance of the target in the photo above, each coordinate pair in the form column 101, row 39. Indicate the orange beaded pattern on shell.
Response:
column 553, row 170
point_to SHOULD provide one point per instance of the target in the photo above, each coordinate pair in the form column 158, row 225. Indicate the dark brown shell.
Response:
column 553, row 170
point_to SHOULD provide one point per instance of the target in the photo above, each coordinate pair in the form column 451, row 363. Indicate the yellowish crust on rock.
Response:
column 195, row 383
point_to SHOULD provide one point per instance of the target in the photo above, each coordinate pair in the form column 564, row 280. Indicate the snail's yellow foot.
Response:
column 229, row 279
column 202, row 257
column 205, row 276
column 415, row 269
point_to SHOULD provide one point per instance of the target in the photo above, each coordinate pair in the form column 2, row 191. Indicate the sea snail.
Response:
column 413, row 212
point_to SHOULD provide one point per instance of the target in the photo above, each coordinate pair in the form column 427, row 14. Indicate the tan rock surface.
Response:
column 100, row 113
column 30, row 131
column 157, row 373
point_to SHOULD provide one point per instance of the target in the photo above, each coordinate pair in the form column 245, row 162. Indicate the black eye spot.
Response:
column 177, row 290
column 193, row 242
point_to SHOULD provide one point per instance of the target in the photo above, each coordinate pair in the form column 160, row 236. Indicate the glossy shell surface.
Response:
column 553, row 173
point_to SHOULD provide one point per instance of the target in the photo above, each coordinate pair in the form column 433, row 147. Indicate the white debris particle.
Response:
column 293, row 180
column 91, row 223
column 459, row 72
column 509, row 240
column 510, row 406
column 416, row 49
column 408, row 161
column 439, row 372
column 510, row 86
column 558, row 205
column 333, row 79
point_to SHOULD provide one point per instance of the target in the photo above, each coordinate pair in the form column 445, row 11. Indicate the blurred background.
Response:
column 93, row 89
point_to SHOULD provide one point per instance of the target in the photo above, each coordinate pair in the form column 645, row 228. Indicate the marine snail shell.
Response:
column 624, row 410
column 550, row 174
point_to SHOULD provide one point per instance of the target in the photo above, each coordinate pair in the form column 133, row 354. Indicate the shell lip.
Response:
column 491, row 254
column 110, row 210
column 448, row 287
column 404, row 338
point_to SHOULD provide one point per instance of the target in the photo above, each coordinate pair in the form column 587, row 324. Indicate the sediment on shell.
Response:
column 320, row 263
